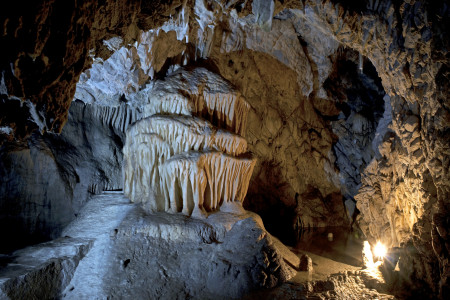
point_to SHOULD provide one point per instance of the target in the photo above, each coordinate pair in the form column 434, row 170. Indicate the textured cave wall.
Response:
column 48, row 179
column 32, row 215
column 50, row 43
column 291, row 142
column 404, row 195
column 45, row 179
column 356, row 89
column 291, row 71
column 302, row 142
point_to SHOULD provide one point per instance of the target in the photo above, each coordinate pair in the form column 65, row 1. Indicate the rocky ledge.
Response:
column 124, row 252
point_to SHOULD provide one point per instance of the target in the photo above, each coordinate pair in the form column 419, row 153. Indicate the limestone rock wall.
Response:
column 50, row 44
column 301, row 130
column 45, row 182
column 295, row 123
column 405, row 190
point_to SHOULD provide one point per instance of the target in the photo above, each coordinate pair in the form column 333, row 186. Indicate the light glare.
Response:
column 367, row 255
column 380, row 250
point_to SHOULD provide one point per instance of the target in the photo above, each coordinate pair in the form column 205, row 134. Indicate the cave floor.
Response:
column 337, row 270
column 47, row 268
column 81, row 257
column 341, row 253
column 329, row 280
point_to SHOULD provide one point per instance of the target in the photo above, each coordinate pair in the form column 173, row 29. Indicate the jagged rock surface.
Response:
column 51, row 44
column 291, row 140
column 346, row 285
column 42, row 271
column 46, row 182
column 404, row 40
column 218, row 258
column 408, row 182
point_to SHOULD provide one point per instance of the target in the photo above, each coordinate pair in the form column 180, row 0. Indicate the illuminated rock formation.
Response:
column 198, row 92
column 205, row 181
column 181, row 163
column 317, row 137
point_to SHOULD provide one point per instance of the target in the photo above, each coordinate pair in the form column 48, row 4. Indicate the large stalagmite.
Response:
column 176, row 161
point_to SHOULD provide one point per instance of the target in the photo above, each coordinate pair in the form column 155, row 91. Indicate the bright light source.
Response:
column 380, row 250
column 367, row 255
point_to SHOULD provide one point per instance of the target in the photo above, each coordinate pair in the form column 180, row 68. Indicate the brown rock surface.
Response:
column 49, row 45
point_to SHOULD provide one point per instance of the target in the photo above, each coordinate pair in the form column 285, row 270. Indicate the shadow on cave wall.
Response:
column 264, row 196
column 355, row 87
column 358, row 96
column 47, row 180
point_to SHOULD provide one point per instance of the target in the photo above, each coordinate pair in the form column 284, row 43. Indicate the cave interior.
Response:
column 289, row 149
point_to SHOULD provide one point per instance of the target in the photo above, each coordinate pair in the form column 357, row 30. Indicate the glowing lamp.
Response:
column 380, row 250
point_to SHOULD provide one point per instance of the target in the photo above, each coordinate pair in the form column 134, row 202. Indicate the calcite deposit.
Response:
column 177, row 162
column 346, row 106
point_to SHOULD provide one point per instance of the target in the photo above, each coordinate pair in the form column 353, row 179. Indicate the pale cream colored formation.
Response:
column 175, row 161
column 200, row 93
column 204, row 181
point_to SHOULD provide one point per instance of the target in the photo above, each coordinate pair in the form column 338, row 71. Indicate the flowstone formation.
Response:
column 174, row 160
column 315, row 149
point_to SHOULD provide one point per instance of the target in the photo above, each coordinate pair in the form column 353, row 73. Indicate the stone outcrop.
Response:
column 222, row 257
column 41, row 271
column 116, row 250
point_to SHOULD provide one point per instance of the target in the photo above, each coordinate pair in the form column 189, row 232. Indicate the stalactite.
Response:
column 360, row 63
column 178, row 162
column 212, row 99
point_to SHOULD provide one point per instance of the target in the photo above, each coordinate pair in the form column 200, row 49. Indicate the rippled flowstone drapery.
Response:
column 175, row 161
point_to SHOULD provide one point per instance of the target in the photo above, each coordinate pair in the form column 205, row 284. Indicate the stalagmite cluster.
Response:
column 176, row 161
